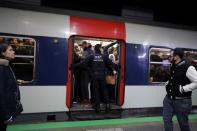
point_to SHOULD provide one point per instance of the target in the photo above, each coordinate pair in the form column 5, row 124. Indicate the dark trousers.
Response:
column 181, row 108
column 111, row 90
column 99, row 88
column 77, row 88
column 92, row 91
column 84, row 85
column 3, row 126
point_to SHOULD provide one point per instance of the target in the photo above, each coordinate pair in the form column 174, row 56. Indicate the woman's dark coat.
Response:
column 9, row 92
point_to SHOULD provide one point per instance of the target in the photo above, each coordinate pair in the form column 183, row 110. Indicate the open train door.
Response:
column 95, row 30
column 117, row 91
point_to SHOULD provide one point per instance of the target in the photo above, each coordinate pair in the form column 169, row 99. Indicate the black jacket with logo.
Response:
column 99, row 64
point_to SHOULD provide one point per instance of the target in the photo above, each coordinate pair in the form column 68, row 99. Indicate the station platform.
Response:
column 154, row 123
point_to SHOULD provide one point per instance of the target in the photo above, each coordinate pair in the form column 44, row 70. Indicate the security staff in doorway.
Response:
column 98, row 68
column 182, row 80
column 98, row 63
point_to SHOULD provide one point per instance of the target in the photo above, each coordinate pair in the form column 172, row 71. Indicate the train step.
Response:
column 86, row 112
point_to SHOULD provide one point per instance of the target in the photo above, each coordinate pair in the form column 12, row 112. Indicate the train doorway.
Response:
column 115, row 51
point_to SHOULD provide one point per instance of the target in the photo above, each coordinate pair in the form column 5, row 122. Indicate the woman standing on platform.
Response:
column 10, row 105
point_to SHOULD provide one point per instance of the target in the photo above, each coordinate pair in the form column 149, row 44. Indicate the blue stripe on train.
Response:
column 51, row 61
column 136, row 64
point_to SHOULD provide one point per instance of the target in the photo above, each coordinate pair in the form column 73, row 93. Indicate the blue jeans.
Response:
column 181, row 108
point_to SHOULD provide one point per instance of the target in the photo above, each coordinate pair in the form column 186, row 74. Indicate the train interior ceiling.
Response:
column 109, row 46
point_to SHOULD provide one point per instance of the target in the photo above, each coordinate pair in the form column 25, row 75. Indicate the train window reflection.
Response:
column 159, row 64
column 23, row 64
column 191, row 57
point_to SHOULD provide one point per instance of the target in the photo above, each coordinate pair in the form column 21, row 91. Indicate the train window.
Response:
column 23, row 64
column 191, row 56
column 159, row 64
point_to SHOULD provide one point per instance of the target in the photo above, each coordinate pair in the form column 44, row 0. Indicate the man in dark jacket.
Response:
column 85, row 73
column 99, row 64
column 10, row 105
column 182, row 80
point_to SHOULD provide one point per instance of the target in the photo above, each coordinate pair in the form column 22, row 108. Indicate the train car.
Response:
column 45, row 45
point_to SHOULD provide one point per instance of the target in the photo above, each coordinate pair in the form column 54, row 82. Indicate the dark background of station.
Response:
column 172, row 11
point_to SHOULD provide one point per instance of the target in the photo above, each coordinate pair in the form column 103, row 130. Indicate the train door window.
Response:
column 23, row 64
column 110, row 47
column 159, row 65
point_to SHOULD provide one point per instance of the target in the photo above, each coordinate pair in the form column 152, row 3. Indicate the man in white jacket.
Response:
column 182, row 80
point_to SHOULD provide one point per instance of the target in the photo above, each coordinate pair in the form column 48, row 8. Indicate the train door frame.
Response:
column 69, row 82
column 122, row 62
column 121, row 77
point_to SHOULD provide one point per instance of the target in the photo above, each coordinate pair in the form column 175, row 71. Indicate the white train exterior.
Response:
column 48, row 93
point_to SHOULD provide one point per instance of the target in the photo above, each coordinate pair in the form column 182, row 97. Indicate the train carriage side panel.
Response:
column 17, row 21
column 48, row 93
column 160, row 36
column 51, row 61
column 136, row 64
column 139, row 94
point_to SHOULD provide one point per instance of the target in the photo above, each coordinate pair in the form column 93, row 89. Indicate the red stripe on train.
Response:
column 97, row 28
